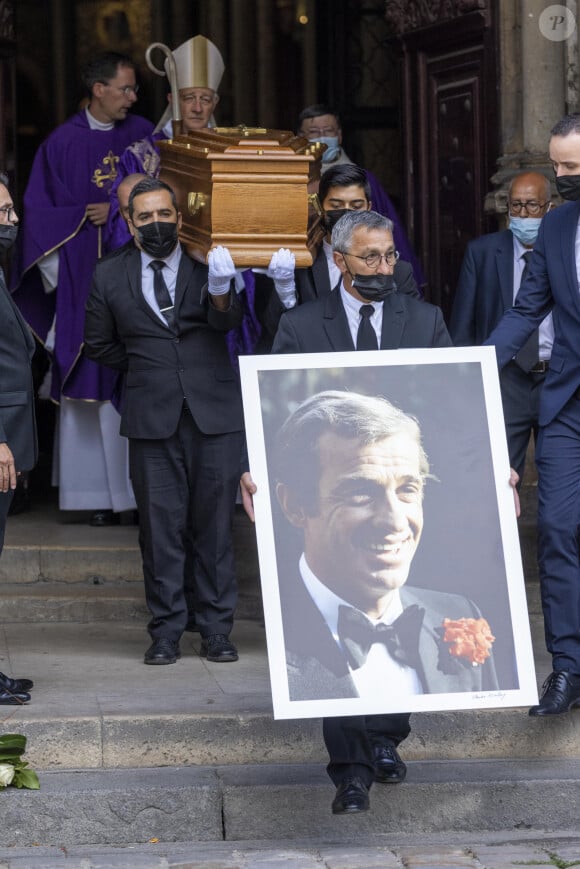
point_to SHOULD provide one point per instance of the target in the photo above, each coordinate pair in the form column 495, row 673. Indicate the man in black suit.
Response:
column 343, row 188
column 491, row 274
column 18, row 448
column 162, row 318
column 362, row 750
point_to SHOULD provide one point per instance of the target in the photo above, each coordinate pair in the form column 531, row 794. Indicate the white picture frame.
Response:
column 470, row 544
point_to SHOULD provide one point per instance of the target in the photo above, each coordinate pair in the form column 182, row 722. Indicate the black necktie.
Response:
column 366, row 338
column 357, row 634
column 162, row 296
column 529, row 354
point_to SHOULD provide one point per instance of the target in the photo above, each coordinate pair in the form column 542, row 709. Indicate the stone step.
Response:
column 95, row 705
column 279, row 802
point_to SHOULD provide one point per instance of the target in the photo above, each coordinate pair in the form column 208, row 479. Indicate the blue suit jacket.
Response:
column 551, row 283
column 485, row 288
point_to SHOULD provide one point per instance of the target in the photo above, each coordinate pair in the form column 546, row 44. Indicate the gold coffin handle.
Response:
column 314, row 201
column 195, row 202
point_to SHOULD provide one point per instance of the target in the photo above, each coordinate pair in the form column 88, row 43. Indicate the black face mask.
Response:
column 8, row 233
column 157, row 239
column 568, row 186
column 331, row 218
column 374, row 288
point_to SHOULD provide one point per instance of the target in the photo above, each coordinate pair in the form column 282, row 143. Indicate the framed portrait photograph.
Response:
column 387, row 534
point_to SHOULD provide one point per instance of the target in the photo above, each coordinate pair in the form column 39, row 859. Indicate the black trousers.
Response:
column 185, row 487
column 5, row 501
column 349, row 742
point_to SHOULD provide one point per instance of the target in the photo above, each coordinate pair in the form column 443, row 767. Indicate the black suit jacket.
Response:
column 164, row 366
column 311, row 283
column 17, row 422
column 485, row 288
column 317, row 668
column 322, row 326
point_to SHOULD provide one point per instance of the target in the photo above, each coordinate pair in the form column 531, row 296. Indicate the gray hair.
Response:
column 344, row 228
column 347, row 414
column 4, row 179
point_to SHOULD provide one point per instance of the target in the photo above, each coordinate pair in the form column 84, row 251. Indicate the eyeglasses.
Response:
column 128, row 89
column 531, row 207
column 325, row 131
column 204, row 99
column 373, row 260
column 8, row 211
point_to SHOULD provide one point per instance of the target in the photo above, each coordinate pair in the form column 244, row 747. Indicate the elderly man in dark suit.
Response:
column 363, row 312
column 343, row 188
column 491, row 274
column 552, row 285
column 18, row 449
column 162, row 318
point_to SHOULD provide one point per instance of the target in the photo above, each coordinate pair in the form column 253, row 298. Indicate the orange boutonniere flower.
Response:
column 468, row 638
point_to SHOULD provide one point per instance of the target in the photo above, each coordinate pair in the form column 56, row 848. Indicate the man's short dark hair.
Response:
column 347, row 414
column 343, row 175
column 149, row 185
column 566, row 125
column 316, row 111
column 103, row 68
column 344, row 228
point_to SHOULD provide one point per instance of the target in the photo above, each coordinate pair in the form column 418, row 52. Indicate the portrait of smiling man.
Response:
column 350, row 473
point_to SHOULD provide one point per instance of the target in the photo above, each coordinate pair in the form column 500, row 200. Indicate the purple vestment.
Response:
column 143, row 157
column 75, row 166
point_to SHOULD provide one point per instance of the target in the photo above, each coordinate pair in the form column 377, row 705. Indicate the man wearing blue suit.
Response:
column 491, row 274
column 552, row 285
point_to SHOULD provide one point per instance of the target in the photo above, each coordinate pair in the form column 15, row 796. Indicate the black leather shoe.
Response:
column 17, row 686
column 560, row 693
column 389, row 768
column 352, row 795
column 13, row 698
column 218, row 648
column 103, row 518
column 162, row 651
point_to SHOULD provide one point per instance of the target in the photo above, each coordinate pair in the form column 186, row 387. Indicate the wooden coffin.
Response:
column 252, row 190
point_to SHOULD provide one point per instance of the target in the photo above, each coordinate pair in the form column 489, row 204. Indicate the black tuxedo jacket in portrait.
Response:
column 164, row 366
column 322, row 326
column 318, row 670
column 17, row 422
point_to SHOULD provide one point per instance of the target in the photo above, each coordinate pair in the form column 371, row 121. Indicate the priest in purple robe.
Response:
column 66, row 205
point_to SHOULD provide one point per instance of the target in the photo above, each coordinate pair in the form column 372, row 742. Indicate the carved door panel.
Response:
column 451, row 143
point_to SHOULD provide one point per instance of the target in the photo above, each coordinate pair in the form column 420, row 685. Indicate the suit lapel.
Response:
column 504, row 260
column 335, row 323
column 567, row 231
column 320, row 276
column 183, row 278
column 393, row 322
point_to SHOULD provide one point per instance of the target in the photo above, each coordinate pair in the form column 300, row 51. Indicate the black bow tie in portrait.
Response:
column 357, row 634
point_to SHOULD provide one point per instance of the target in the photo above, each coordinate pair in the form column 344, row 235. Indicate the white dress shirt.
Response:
column 352, row 308
column 380, row 671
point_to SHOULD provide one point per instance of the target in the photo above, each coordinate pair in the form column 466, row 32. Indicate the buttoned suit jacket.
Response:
column 164, row 366
column 322, row 326
column 318, row 670
column 485, row 288
column 312, row 283
column 551, row 283
column 17, row 420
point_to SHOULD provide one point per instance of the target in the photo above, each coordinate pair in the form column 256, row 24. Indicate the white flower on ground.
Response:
column 6, row 774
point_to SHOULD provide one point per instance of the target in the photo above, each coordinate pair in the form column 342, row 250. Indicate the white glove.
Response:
column 221, row 270
column 281, row 270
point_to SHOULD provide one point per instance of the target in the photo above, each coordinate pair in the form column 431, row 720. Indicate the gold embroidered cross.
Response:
column 100, row 177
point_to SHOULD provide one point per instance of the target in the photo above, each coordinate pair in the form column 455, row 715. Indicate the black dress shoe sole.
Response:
column 226, row 658
column 162, row 659
column 350, row 809
column 394, row 778
column 539, row 712
column 16, row 700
